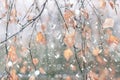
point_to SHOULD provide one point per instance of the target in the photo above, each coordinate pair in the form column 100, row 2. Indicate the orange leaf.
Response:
column 32, row 78
column 106, row 51
column 67, row 54
column 96, row 51
column 69, row 39
column 109, row 22
column 100, row 60
column 68, row 14
column 102, row 4
column 40, row 38
column 112, row 4
column 73, row 67
column 93, row 75
column 68, row 78
column 43, row 27
column 103, row 74
column 85, row 14
column 12, row 53
column 35, row 61
column 113, row 39
column 13, row 75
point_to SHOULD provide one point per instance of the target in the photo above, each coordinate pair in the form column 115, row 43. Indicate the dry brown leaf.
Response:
column 35, row 61
column 67, row 54
column 109, row 22
column 102, row 4
column 40, row 38
column 112, row 4
column 12, row 53
column 42, row 71
column 68, row 78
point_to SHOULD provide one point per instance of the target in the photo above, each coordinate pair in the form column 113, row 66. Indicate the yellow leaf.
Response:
column 109, row 22
column 67, row 54
column 42, row 71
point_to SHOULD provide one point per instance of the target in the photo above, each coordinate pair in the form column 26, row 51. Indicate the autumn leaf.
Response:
column 35, row 61
column 42, row 71
column 69, row 39
column 96, row 51
column 113, row 39
column 68, row 78
column 85, row 13
column 13, row 12
column 68, row 14
column 109, row 22
column 103, row 74
column 32, row 78
column 40, row 38
column 100, row 60
column 93, row 75
column 13, row 75
column 73, row 67
column 102, row 4
column 67, row 54
column 112, row 4
column 106, row 51
column 43, row 27
column 12, row 53
column 6, row 6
